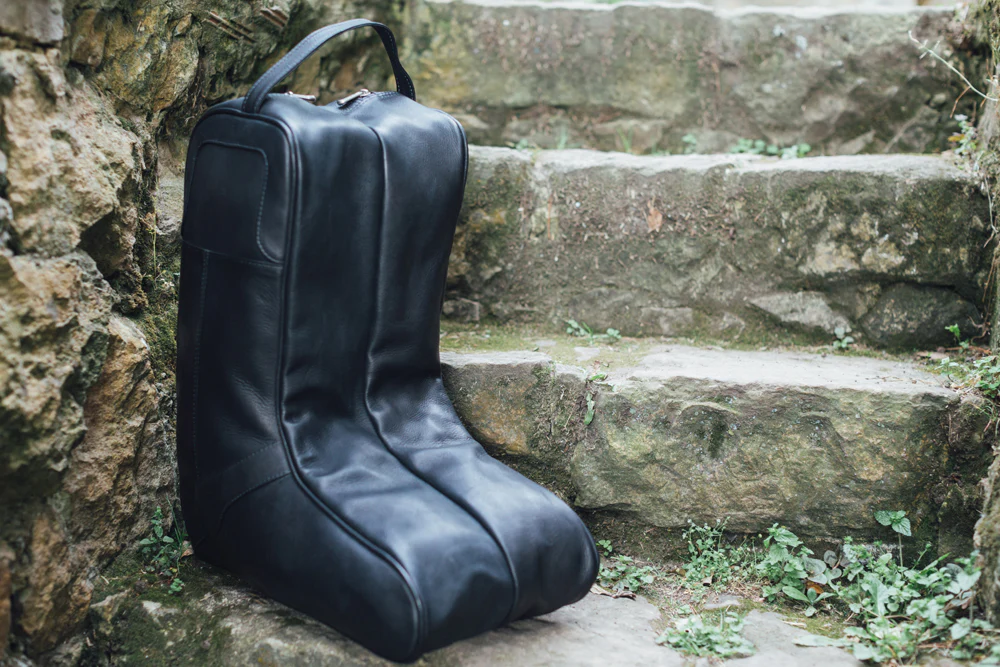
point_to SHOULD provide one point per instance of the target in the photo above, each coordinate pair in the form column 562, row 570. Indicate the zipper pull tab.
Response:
column 343, row 102
column 307, row 98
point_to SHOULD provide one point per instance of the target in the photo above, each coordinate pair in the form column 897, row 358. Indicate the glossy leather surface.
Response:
column 319, row 457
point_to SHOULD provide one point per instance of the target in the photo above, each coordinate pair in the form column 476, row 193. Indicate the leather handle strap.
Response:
column 291, row 60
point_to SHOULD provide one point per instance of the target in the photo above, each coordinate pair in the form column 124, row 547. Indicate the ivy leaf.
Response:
column 961, row 628
column 863, row 652
column 794, row 593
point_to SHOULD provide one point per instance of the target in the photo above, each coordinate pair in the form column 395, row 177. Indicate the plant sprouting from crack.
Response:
column 844, row 339
column 163, row 550
column 621, row 574
column 581, row 330
column 761, row 147
column 694, row 635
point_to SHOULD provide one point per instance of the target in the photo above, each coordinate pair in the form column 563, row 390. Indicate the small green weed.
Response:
column 956, row 331
column 982, row 373
column 620, row 573
column 562, row 140
column 581, row 330
column 690, row 144
column 589, row 417
column 844, row 339
column 164, row 550
column 899, row 612
column 899, row 524
column 967, row 139
column 625, row 138
column 712, row 561
column 761, row 147
column 693, row 635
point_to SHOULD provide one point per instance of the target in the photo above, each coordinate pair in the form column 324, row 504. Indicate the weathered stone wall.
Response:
column 96, row 98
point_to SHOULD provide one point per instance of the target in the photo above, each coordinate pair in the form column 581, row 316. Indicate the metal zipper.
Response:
column 307, row 98
column 343, row 102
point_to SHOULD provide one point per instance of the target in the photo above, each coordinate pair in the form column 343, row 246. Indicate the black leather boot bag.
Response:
column 298, row 439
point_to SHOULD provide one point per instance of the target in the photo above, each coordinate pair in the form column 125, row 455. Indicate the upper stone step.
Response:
column 683, row 77
column 893, row 247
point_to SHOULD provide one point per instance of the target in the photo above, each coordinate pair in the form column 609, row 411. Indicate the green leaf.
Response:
column 863, row 652
column 961, row 628
column 902, row 527
column 589, row 417
column 794, row 593
column 883, row 517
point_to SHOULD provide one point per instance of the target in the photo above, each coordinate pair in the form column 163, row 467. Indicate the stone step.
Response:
column 723, row 246
column 221, row 623
column 677, row 434
column 642, row 76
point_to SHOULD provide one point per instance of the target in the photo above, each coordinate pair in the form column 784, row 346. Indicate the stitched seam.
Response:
column 229, row 503
column 246, row 458
column 237, row 260
column 364, row 100
column 197, row 364
column 420, row 633
column 263, row 190
column 395, row 57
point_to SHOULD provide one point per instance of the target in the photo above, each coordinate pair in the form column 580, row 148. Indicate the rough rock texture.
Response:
column 985, row 20
column 40, row 21
column 692, row 244
column 816, row 443
column 96, row 99
column 805, row 309
column 987, row 541
column 642, row 76
column 229, row 625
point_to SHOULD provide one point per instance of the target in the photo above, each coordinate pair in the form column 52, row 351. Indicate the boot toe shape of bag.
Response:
column 401, row 606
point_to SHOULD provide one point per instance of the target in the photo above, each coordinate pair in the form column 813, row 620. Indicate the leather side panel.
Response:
column 236, row 381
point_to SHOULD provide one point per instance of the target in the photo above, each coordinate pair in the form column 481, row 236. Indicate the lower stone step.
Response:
column 220, row 623
column 724, row 246
column 643, row 445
